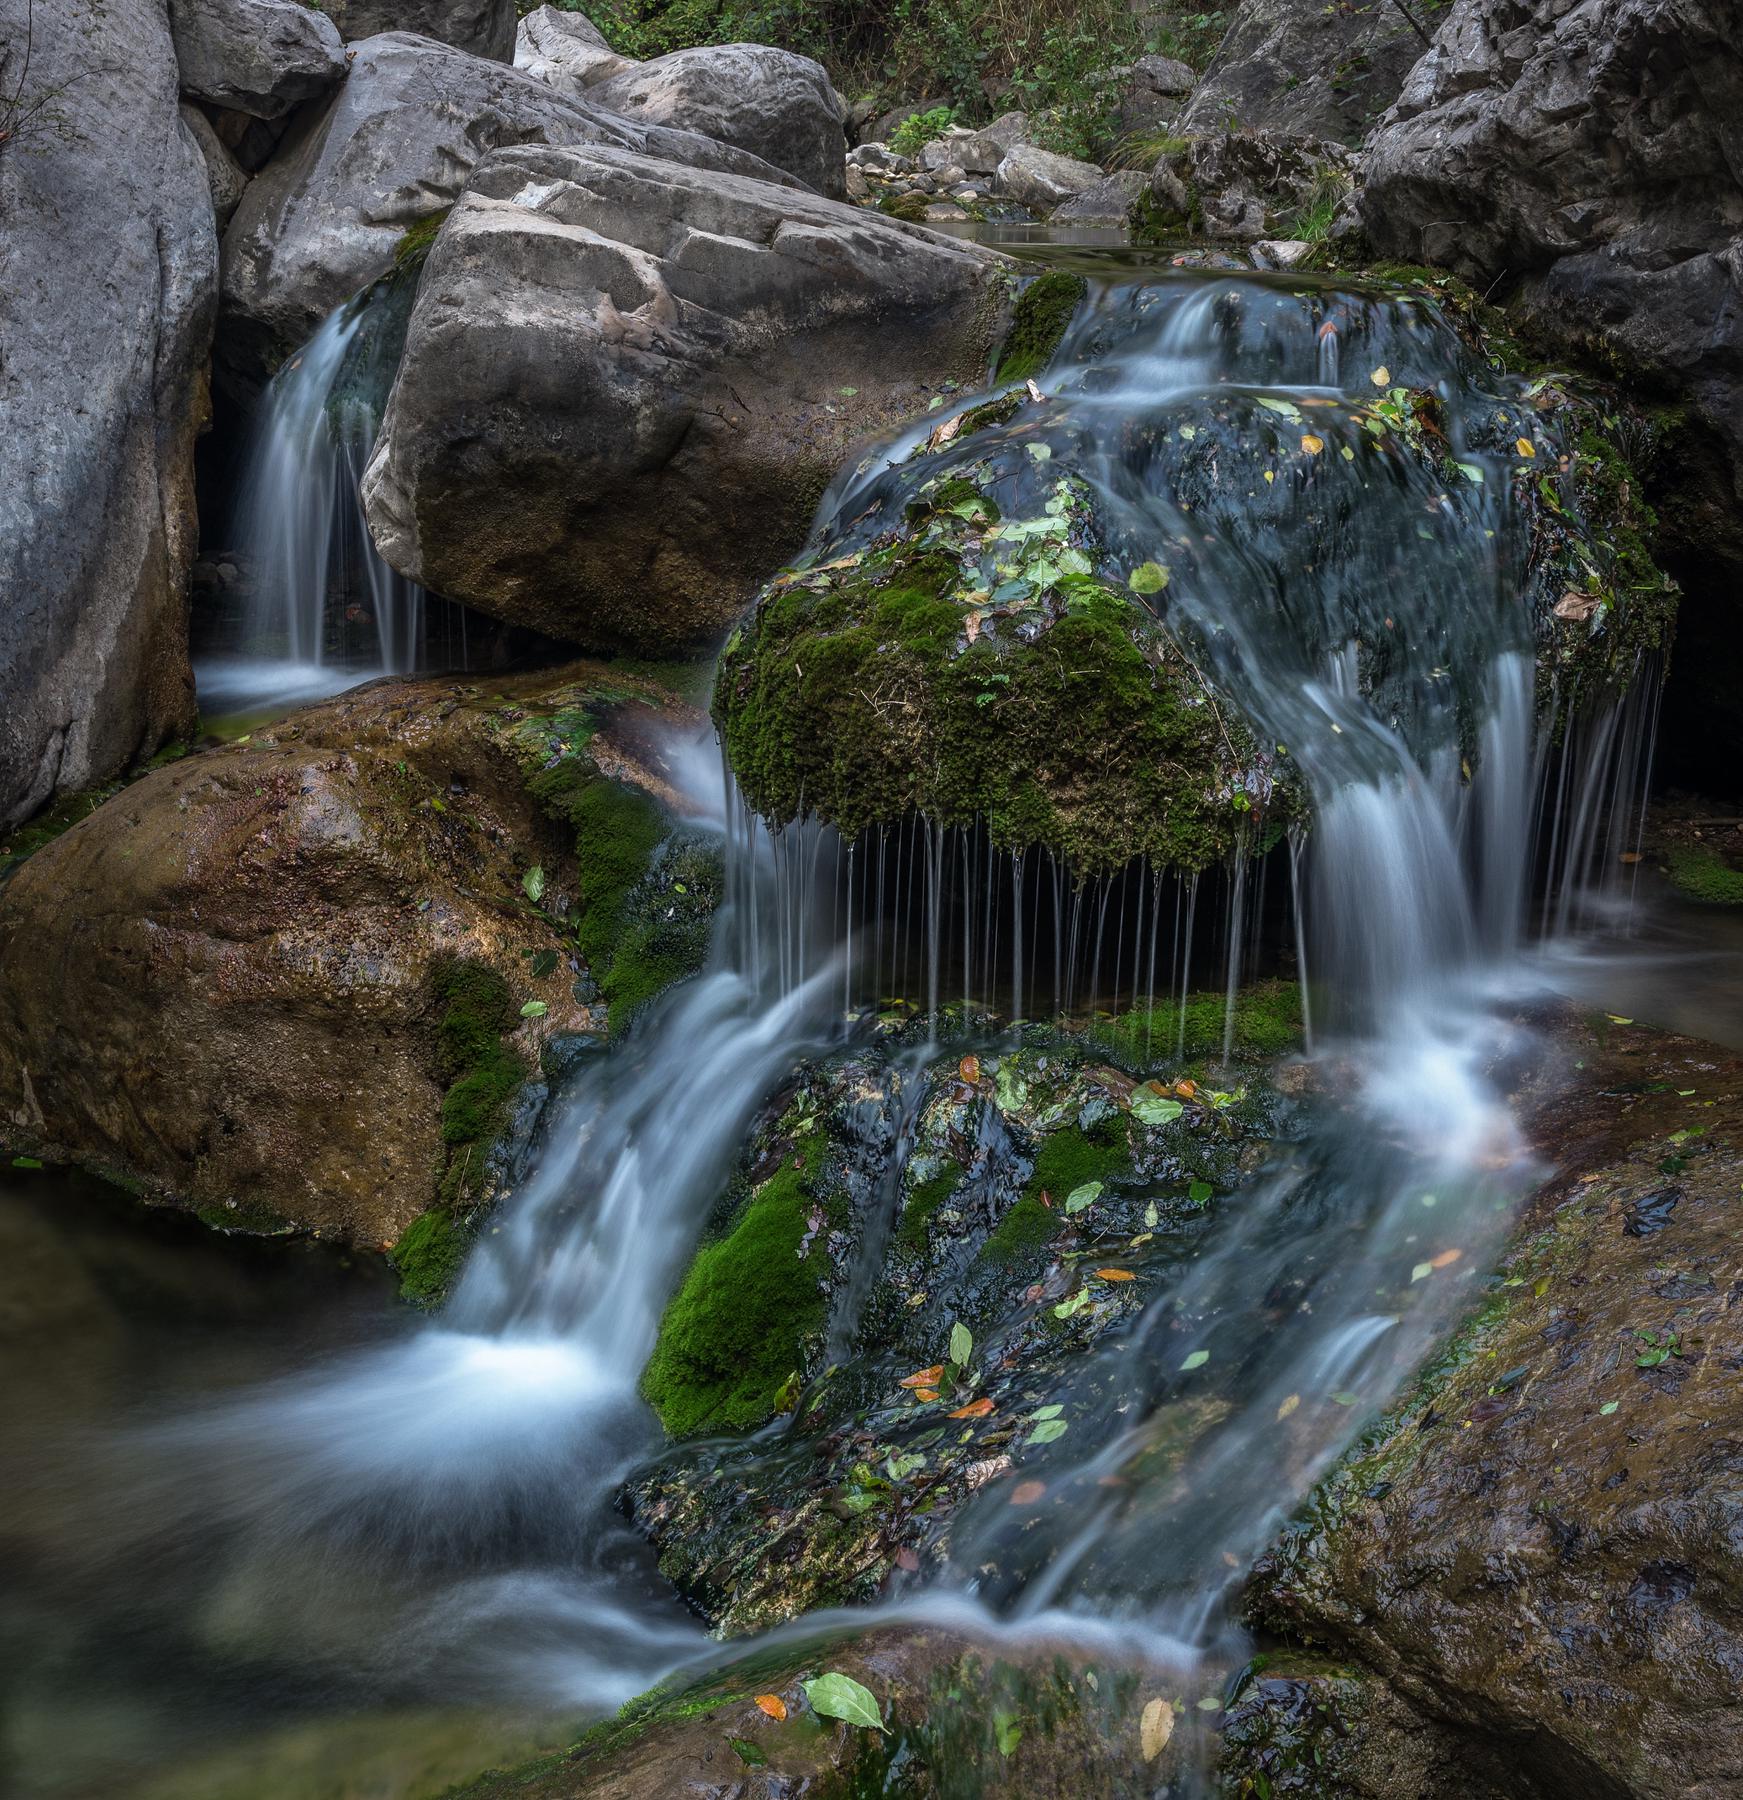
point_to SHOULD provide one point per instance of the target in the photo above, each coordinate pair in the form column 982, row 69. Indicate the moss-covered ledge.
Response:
column 970, row 665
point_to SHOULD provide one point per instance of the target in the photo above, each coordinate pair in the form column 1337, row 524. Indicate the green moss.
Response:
column 477, row 1008
column 1066, row 1160
column 1267, row 1024
column 428, row 1255
column 1703, row 875
column 861, row 692
column 921, row 1204
column 62, row 814
column 1044, row 312
column 911, row 208
column 738, row 1327
column 415, row 241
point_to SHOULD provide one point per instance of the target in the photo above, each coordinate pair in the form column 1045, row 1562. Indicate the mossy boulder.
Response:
column 904, row 1314
column 313, row 974
column 1537, row 1545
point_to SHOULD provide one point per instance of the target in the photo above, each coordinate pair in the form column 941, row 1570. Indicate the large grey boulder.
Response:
column 1584, row 161
column 1042, row 179
column 772, row 103
column 396, row 145
column 566, row 49
column 627, row 383
column 107, row 277
column 255, row 56
column 1304, row 67
column 225, row 177
column 484, row 27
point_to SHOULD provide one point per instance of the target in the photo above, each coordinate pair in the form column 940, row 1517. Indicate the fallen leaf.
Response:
column 1609, row 1407
column 1196, row 1360
column 1081, row 1197
column 1115, row 1275
column 1185, row 1088
column 1445, row 1260
column 841, row 1697
column 1617, row 1019
column 1288, row 1406
column 927, row 1394
column 1422, row 1271
column 923, row 1378
column 773, row 1705
column 1034, row 392
column 975, row 1409
column 1150, row 1108
column 1026, row 1493
column 1155, row 1728
column 1148, row 578
column 908, row 1560
column 1048, row 1430
column 1311, row 444
column 1381, row 376
column 1576, row 607
column 945, row 432
column 961, row 1343
column 1524, row 446
column 969, row 1069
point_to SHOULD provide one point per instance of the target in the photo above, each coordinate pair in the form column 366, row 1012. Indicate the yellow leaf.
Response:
column 1381, row 376
column 1311, row 444
column 1288, row 1406
column 1524, row 446
column 1155, row 1728
column 773, row 1705
column 1269, row 476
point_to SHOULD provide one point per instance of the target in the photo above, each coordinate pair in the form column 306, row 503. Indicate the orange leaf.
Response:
column 925, row 1393
column 1445, row 1260
column 1311, row 444
column 1046, row 1199
column 975, row 1409
column 969, row 1069
column 1115, row 1275
column 773, row 1705
column 1026, row 1493
column 1186, row 1089
column 924, row 1378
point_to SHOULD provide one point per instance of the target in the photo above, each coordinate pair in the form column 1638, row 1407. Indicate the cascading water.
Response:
column 322, row 611
column 434, row 1517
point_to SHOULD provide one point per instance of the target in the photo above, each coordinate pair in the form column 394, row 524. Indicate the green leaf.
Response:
column 1043, row 1413
column 1081, row 1198
column 26, row 1162
column 533, row 884
column 545, row 963
column 1344, row 1397
column 1609, row 1407
column 1200, row 1192
column 1422, row 1271
column 901, row 1467
column 534, row 1009
column 747, row 1753
column 1151, row 1108
column 1009, row 1086
column 1651, row 1359
column 1040, row 452
column 1075, row 1304
column 1471, row 472
column 847, row 393
column 1047, row 1431
column 1008, row 1729
column 841, row 1697
column 961, row 1344
column 1151, row 1216
column 1286, row 408
column 1196, row 1360
column 1147, row 578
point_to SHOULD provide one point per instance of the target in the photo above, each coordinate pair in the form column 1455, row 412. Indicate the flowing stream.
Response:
column 431, row 1518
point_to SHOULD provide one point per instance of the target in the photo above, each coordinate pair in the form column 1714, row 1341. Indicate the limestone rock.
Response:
column 1254, row 184
column 774, row 104
column 1041, row 179
column 627, row 383
column 224, row 175
column 483, row 27
column 1281, row 253
column 107, row 282
column 258, row 56
column 1111, row 202
column 1308, row 69
column 566, row 49
column 981, row 152
column 1151, row 93
column 396, row 145
column 242, row 1012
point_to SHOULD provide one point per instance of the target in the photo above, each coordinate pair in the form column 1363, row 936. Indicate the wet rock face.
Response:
column 1540, row 1545
column 395, row 146
column 1587, row 157
column 970, row 1231
column 772, row 103
column 310, row 971
column 566, row 49
column 104, row 196
column 627, row 382
column 1301, row 66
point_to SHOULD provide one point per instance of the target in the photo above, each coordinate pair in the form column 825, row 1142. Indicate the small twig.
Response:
column 1414, row 25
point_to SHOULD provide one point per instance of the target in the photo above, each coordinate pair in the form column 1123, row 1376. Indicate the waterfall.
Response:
column 322, row 610
column 443, row 1503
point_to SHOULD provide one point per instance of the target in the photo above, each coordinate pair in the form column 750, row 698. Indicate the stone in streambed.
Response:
column 626, row 384
column 257, row 56
column 1042, row 179
column 308, row 972
column 566, row 49
column 482, row 28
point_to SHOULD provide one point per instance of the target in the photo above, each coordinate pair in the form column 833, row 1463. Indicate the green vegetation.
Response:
column 736, row 1330
column 415, row 241
column 1044, row 57
column 1267, row 1024
column 1065, row 1161
column 919, row 129
column 975, row 668
column 428, row 1256
column 1043, row 315
column 1703, row 874
column 925, row 1199
column 63, row 814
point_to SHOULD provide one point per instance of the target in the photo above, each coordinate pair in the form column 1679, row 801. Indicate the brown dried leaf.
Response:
column 1155, row 1728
